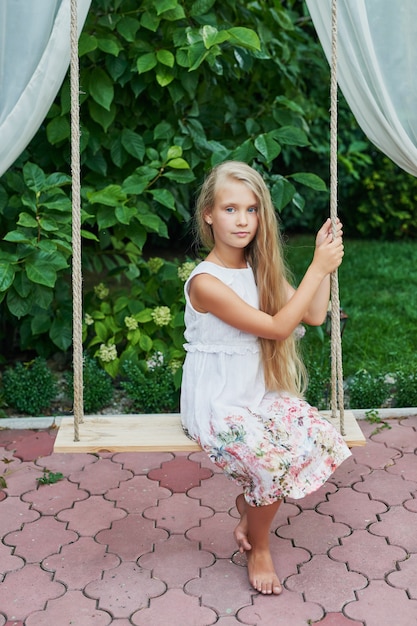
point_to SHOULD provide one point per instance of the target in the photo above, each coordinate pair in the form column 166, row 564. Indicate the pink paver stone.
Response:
column 348, row 473
column 406, row 577
column 39, row 539
column 352, row 508
column 161, row 612
column 406, row 466
column 386, row 487
column 288, row 609
column 223, row 587
column 15, row 513
column 337, row 619
column 131, row 537
column 375, row 455
column 326, row 582
column 8, row 561
column 399, row 525
column 101, row 476
column 397, row 437
column 382, row 605
column 36, row 444
column 178, row 513
column 180, row 474
column 142, row 462
column 89, row 516
column 219, row 492
column 313, row 499
column 22, row 479
column 176, row 560
column 313, row 531
column 50, row 499
column 73, row 608
column 355, row 551
column 79, row 563
column 67, row 463
column 137, row 494
column 216, row 534
column 124, row 590
column 26, row 591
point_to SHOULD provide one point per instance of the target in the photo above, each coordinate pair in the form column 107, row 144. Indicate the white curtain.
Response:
column 34, row 58
column 377, row 69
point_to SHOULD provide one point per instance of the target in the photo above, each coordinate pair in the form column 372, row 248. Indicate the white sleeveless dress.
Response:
column 273, row 445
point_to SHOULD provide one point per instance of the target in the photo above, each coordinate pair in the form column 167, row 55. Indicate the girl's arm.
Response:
column 317, row 310
column 208, row 294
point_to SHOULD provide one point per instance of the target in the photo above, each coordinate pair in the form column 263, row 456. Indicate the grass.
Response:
column 378, row 291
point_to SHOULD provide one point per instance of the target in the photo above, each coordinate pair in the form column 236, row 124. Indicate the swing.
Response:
column 163, row 432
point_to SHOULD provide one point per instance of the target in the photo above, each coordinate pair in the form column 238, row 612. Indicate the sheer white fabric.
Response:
column 34, row 57
column 377, row 60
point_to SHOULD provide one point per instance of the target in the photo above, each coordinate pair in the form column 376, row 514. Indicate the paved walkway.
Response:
column 146, row 540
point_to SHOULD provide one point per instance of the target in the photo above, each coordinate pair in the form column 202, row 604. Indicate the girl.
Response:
column 242, row 378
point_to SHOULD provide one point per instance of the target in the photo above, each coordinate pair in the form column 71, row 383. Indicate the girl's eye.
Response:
column 253, row 209
column 230, row 209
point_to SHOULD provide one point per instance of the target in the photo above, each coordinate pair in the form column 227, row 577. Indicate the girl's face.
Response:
column 234, row 215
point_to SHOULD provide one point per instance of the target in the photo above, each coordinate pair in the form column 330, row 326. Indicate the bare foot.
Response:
column 262, row 575
column 241, row 530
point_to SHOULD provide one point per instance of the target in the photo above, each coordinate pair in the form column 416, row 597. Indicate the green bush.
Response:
column 151, row 386
column 29, row 387
column 406, row 388
column 98, row 386
column 367, row 391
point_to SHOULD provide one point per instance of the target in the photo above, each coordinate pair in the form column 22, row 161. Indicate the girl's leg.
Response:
column 262, row 574
column 241, row 530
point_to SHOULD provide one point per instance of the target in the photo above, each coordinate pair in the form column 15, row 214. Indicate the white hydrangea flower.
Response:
column 161, row 315
column 185, row 270
column 131, row 323
column 107, row 353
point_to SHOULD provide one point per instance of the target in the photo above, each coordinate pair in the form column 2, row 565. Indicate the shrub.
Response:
column 29, row 387
column 406, row 388
column 98, row 386
column 151, row 386
column 318, row 386
column 367, row 391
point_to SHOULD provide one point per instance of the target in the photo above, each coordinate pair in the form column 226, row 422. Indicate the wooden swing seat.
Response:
column 160, row 432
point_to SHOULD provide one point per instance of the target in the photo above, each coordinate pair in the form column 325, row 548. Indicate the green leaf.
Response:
column 101, row 88
column 26, row 220
column 245, row 37
column 179, row 164
column 56, row 179
column 111, row 46
column 267, row 146
column 86, row 43
column 152, row 222
column 165, row 57
column 101, row 116
column 112, row 195
column 134, row 184
column 146, row 62
column 40, row 323
column 7, row 274
column 18, row 306
column 106, row 217
column 196, row 55
column 144, row 316
column 58, row 130
column 245, row 152
column 40, row 271
column 150, row 21
column 212, row 36
column 163, row 130
column 128, row 27
column 292, row 136
column 61, row 332
column 282, row 192
column 17, row 237
column 201, row 7
column 133, row 143
column 164, row 197
column 164, row 76
column 124, row 213
column 164, row 5
column 33, row 176
column 87, row 235
column 145, row 343
column 309, row 180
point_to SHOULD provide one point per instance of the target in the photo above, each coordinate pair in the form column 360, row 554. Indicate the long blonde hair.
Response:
column 283, row 367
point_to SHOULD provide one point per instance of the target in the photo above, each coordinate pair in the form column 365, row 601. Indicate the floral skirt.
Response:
column 283, row 449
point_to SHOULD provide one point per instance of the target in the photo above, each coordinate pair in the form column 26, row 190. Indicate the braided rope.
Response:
column 336, row 340
column 76, row 225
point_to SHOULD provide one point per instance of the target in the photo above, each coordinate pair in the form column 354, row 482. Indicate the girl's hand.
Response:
column 329, row 250
column 326, row 230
